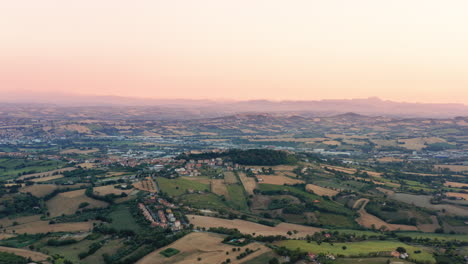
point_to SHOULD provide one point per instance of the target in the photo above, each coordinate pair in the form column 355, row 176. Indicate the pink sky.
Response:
column 245, row 49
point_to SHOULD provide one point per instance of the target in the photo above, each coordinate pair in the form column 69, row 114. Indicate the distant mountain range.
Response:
column 189, row 109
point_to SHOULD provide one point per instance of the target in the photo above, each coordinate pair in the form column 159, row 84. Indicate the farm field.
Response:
column 47, row 178
column 356, row 248
column 278, row 180
column 147, row 185
column 371, row 261
column 424, row 201
column 68, row 202
column 179, row 186
column 230, row 177
column 464, row 196
column 79, row 151
column 46, row 173
column 5, row 221
column 445, row 237
column 35, row 256
column 219, row 187
column 110, row 189
column 247, row 227
column 44, row 227
column 39, row 190
column 455, row 184
column 206, row 246
column 248, row 182
column 455, row 168
column 15, row 167
column 123, row 219
column 237, row 197
column 320, row 190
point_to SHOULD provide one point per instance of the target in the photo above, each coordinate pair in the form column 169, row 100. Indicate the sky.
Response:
column 402, row 50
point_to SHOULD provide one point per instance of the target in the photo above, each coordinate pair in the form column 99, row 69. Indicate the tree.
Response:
column 273, row 261
column 401, row 250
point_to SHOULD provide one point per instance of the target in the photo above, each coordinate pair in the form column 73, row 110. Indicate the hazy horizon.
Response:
column 243, row 50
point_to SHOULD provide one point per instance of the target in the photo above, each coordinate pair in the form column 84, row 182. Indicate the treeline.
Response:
column 261, row 157
column 109, row 198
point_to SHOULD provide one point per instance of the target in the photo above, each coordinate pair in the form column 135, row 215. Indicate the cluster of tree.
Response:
column 21, row 203
column 9, row 258
column 109, row 198
column 61, row 242
column 261, row 157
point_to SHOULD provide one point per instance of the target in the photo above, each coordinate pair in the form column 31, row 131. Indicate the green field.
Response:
column 356, row 232
column 169, row 252
column 123, row 219
column 237, row 197
column 13, row 167
column 204, row 201
column 357, row 248
column 262, row 259
column 70, row 252
column 369, row 261
column 434, row 236
column 327, row 219
column 327, row 205
column 179, row 186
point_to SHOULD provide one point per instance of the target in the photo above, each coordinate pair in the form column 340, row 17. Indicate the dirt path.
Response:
column 367, row 220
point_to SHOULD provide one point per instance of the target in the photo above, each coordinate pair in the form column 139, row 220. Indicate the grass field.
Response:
column 12, row 167
column 179, row 186
column 123, row 219
column 370, row 261
column 434, row 236
column 330, row 206
column 357, row 248
column 237, row 197
column 205, row 201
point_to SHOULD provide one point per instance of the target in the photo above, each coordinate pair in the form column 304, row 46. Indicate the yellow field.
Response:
column 45, row 174
column 109, row 189
column 277, row 179
column 230, row 177
column 321, row 190
column 389, row 159
column 419, row 143
column 47, row 178
column 248, row 182
column 35, row 256
column 147, row 185
column 68, row 202
column 247, row 227
column 87, row 165
column 44, row 227
column 79, row 151
column 455, row 168
column 454, row 194
column 39, row 190
column 456, row 184
column 206, row 246
column 219, row 187
column 5, row 221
